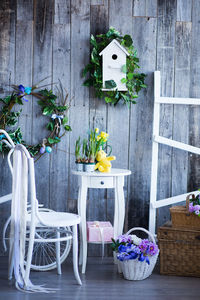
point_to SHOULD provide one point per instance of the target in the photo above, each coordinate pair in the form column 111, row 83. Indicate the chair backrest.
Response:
column 34, row 202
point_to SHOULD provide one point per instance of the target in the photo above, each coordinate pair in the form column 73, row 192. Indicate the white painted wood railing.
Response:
column 157, row 139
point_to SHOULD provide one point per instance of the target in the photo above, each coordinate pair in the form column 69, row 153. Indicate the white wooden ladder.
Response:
column 157, row 139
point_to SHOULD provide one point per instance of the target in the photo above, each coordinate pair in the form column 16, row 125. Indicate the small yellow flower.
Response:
column 103, row 134
column 98, row 137
column 96, row 130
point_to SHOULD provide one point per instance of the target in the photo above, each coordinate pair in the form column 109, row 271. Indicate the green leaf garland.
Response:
column 134, row 80
column 50, row 108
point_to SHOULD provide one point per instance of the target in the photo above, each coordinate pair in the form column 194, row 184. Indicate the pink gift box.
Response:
column 94, row 232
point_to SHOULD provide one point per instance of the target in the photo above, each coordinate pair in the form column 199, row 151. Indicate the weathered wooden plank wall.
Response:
column 51, row 38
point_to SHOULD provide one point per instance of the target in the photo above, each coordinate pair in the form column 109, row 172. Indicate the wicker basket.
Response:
column 181, row 217
column 135, row 269
column 179, row 251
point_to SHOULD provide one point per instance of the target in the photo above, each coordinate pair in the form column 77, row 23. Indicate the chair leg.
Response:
column 11, row 263
column 75, row 254
column 58, row 254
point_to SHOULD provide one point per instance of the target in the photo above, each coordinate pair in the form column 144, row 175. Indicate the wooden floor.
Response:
column 101, row 281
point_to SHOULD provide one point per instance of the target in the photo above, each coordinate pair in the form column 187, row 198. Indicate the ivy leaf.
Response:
column 130, row 76
column 57, row 140
column 64, row 120
column 48, row 110
column 50, row 126
column 94, row 57
column 61, row 108
column 108, row 100
column 50, row 140
column 113, row 32
column 87, row 68
column 93, row 41
column 110, row 84
column 123, row 80
column 18, row 100
column 7, row 99
column 124, row 69
column 41, row 103
column 67, row 128
column 127, row 40
column 88, row 82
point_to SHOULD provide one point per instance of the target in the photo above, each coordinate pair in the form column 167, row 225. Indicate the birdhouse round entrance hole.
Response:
column 114, row 56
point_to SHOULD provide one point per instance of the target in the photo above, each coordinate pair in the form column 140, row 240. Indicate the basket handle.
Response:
column 143, row 229
column 188, row 200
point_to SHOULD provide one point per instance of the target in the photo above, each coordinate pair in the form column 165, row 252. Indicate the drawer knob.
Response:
column 102, row 182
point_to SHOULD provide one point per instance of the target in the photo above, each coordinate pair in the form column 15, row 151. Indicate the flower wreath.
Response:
column 134, row 80
column 49, row 106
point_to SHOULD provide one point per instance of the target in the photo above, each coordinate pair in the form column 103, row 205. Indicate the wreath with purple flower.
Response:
column 52, row 106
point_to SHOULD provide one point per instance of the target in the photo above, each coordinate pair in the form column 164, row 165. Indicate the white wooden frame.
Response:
column 157, row 139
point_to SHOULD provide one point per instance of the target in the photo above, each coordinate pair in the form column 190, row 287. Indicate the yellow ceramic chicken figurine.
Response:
column 104, row 164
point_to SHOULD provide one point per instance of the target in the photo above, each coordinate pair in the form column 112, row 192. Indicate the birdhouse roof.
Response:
column 115, row 42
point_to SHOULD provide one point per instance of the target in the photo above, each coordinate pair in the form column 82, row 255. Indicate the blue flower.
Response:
column 122, row 248
column 142, row 257
column 147, row 260
column 121, row 256
column 127, row 257
column 22, row 91
column 133, row 255
column 21, row 88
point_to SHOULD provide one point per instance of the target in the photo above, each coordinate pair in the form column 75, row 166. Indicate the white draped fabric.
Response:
column 21, row 174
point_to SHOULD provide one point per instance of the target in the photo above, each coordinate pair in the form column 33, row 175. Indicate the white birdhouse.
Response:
column 114, row 58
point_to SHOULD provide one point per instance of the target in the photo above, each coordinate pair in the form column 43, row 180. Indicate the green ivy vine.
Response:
column 50, row 107
column 133, row 79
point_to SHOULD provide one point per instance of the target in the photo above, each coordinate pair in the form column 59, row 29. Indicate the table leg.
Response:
column 80, row 226
column 83, row 232
column 121, row 203
column 116, row 210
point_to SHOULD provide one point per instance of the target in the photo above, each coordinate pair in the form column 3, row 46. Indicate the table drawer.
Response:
column 101, row 182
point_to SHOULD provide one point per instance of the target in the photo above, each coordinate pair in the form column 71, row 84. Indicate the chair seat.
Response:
column 55, row 219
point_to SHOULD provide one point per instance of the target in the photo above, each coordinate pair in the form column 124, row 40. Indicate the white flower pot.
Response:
column 89, row 167
column 79, row 167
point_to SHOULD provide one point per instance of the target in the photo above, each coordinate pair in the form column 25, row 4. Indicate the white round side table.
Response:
column 112, row 180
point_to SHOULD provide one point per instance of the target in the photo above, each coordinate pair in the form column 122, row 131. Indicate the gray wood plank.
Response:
column 165, row 63
column 59, row 160
column 145, row 8
column 7, row 77
column 24, row 10
column 181, row 112
column 79, row 111
column 98, row 113
column 184, row 10
column 42, row 67
column 194, row 126
column 24, row 58
column 140, row 148
column 119, row 135
column 98, row 2
column 151, row 8
column 139, row 8
column 62, row 12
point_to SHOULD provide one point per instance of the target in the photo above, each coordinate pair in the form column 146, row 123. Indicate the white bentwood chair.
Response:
column 39, row 221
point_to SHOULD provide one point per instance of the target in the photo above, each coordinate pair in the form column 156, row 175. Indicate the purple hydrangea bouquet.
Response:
column 137, row 257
